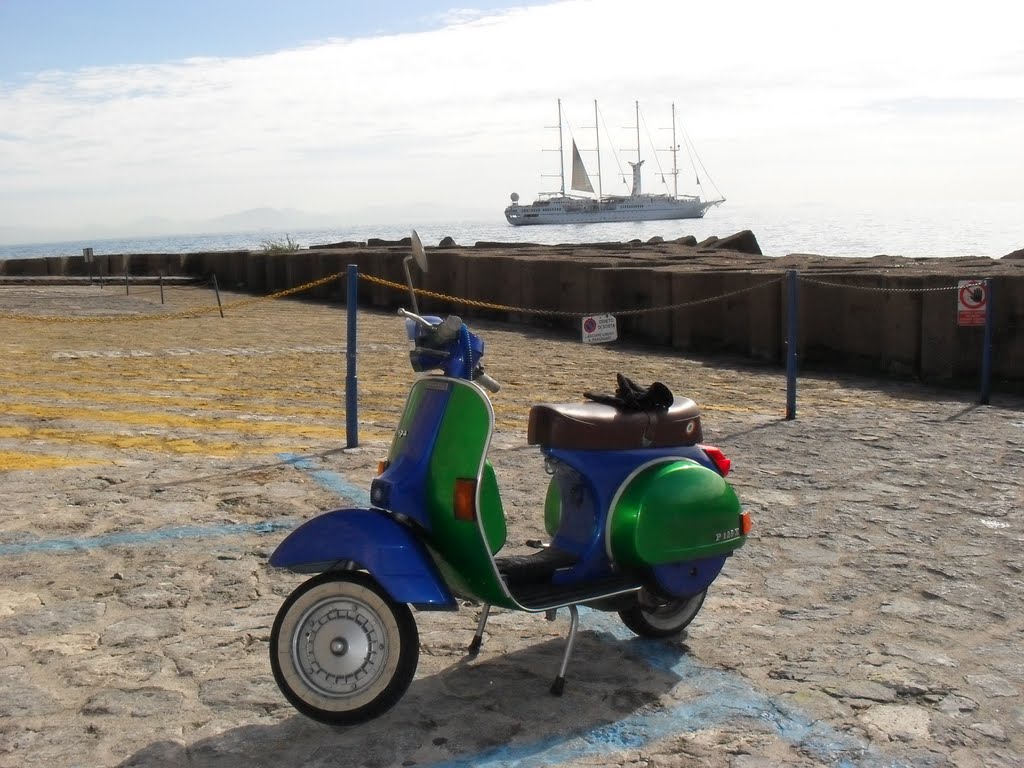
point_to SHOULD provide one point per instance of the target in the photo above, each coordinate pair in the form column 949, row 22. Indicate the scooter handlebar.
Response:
column 416, row 318
column 488, row 383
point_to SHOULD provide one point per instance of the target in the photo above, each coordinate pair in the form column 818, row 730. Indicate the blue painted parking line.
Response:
column 723, row 699
column 329, row 480
column 332, row 481
column 136, row 538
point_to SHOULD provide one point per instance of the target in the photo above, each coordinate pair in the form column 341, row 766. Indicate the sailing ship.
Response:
column 561, row 208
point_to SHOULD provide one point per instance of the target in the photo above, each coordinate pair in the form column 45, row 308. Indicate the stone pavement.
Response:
column 149, row 467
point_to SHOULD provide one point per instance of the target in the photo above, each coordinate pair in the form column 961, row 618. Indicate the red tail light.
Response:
column 746, row 524
column 464, row 501
column 719, row 459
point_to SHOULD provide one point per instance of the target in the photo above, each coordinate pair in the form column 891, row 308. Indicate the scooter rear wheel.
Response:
column 341, row 650
column 653, row 617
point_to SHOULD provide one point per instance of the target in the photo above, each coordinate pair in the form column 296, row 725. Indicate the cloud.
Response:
column 805, row 92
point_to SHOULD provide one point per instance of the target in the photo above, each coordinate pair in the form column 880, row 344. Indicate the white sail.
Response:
column 580, row 178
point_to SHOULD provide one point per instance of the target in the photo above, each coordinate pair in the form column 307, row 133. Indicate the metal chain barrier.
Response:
column 877, row 288
column 198, row 312
column 562, row 313
column 185, row 313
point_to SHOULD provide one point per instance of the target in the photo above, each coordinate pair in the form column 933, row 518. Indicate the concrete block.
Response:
column 300, row 270
column 820, row 329
column 488, row 280
column 862, row 319
column 767, row 331
column 446, row 274
column 901, row 327
column 938, row 329
column 276, row 275
column 541, row 289
column 634, row 289
column 1008, row 339
column 56, row 266
column 256, row 272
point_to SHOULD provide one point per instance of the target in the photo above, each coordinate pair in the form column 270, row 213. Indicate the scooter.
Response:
column 640, row 516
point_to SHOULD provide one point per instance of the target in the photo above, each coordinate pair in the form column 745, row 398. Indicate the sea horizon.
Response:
column 987, row 231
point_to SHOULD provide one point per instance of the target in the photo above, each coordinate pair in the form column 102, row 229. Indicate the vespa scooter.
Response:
column 640, row 516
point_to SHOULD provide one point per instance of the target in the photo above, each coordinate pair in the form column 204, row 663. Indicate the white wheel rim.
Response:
column 342, row 648
column 339, row 648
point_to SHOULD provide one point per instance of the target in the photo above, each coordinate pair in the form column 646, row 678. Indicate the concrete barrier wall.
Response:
column 864, row 322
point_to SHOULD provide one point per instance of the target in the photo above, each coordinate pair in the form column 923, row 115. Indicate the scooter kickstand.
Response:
column 478, row 638
column 574, row 621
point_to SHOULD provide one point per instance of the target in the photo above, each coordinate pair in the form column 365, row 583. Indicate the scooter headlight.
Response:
column 380, row 493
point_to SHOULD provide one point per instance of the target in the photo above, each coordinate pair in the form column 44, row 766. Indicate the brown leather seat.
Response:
column 596, row 426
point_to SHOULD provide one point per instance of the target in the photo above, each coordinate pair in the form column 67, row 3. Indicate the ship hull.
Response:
column 573, row 211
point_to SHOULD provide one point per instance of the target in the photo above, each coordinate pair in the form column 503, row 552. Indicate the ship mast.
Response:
column 561, row 155
column 638, row 160
column 675, row 151
column 597, row 137
column 561, row 151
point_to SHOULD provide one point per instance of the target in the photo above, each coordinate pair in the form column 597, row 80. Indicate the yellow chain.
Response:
column 373, row 279
column 169, row 315
column 558, row 312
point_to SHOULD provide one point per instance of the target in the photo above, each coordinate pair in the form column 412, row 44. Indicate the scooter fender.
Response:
column 367, row 539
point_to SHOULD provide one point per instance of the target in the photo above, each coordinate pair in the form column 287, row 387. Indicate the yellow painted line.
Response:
column 12, row 461
column 152, row 444
column 164, row 419
column 220, row 399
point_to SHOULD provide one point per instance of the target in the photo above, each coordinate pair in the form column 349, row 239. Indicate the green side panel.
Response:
column 462, row 553
column 553, row 508
column 675, row 511
column 491, row 511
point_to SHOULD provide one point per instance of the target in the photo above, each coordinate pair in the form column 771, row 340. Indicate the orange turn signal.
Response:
column 745, row 523
column 464, row 502
column 382, row 465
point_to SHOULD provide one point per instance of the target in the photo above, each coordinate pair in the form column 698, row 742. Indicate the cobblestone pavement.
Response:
column 149, row 467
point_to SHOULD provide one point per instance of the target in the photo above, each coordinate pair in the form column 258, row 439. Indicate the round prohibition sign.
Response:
column 590, row 325
column 972, row 296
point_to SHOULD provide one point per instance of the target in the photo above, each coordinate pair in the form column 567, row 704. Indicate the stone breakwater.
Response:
column 873, row 619
column 883, row 315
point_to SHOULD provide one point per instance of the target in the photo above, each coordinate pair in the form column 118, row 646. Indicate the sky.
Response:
column 121, row 114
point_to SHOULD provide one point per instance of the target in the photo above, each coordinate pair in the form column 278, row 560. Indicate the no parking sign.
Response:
column 598, row 329
column 971, row 301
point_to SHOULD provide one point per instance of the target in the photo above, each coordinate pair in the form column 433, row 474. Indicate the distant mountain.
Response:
column 265, row 218
column 254, row 219
column 276, row 221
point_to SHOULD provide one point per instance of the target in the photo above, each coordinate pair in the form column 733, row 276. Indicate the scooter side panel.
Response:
column 464, row 548
column 675, row 511
column 373, row 541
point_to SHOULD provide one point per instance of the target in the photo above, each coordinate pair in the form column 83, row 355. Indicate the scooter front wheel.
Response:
column 341, row 650
column 651, row 617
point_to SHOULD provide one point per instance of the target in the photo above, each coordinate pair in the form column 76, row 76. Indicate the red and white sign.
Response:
column 971, row 301
column 598, row 329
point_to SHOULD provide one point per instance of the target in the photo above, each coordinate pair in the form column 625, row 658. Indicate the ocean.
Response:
column 989, row 230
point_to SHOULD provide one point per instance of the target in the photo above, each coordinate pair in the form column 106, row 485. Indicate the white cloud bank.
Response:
column 799, row 102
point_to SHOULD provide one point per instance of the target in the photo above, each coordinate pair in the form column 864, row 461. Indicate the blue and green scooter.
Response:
column 640, row 516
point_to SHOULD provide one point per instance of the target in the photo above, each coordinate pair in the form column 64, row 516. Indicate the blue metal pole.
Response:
column 986, row 351
column 791, row 342
column 351, row 380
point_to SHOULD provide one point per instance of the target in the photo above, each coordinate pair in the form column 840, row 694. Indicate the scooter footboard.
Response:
column 371, row 540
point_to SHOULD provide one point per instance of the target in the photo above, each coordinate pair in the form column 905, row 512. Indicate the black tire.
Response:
column 341, row 650
column 654, row 617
